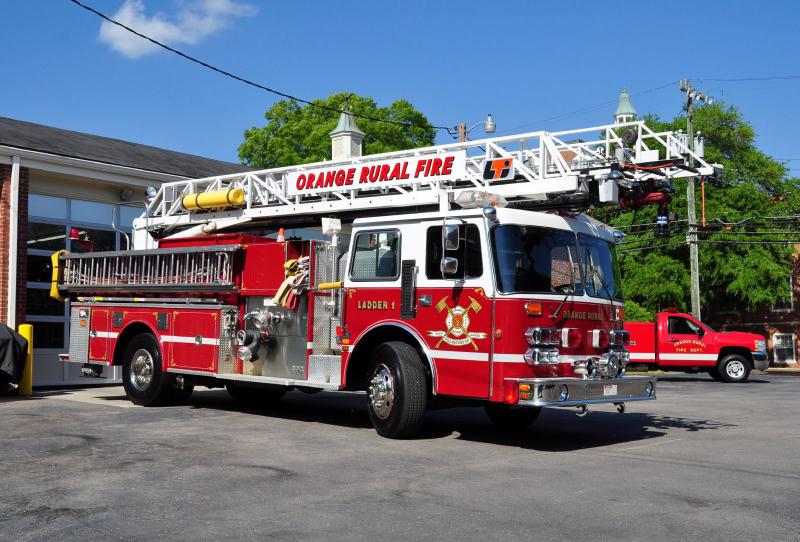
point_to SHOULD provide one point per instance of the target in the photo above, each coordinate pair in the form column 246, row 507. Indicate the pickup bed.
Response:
column 677, row 341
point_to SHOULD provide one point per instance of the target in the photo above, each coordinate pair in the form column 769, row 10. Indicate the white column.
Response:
column 13, row 228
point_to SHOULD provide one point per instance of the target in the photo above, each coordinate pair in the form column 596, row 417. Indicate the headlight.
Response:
column 761, row 346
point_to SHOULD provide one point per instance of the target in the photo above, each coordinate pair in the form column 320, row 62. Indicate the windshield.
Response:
column 599, row 267
column 540, row 260
column 529, row 259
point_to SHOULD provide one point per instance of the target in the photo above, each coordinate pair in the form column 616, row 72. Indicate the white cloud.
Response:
column 194, row 21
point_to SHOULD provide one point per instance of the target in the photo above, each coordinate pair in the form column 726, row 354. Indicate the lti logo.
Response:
column 499, row 169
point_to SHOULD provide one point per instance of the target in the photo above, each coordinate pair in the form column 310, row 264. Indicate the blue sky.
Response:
column 525, row 62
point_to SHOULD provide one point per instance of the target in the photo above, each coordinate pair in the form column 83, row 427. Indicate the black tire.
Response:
column 397, row 390
column 255, row 397
column 714, row 373
column 734, row 369
column 509, row 418
column 143, row 377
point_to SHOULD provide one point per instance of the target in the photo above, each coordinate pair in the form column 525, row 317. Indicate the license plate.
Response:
column 609, row 389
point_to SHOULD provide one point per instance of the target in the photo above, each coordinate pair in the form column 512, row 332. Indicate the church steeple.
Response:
column 625, row 111
column 346, row 138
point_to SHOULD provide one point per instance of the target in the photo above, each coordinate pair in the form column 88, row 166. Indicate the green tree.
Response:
column 736, row 274
column 297, row 134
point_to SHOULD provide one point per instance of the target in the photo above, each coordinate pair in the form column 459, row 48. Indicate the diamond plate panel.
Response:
column 227, row 341
column 79, row 335
column 324, row 305
column 325, row 370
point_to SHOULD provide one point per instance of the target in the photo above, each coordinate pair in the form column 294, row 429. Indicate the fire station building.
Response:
column 57, row 186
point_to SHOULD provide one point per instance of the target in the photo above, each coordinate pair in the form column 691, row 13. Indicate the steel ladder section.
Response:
column 165, row 270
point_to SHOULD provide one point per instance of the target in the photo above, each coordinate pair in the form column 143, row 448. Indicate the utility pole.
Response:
column 691, row 237
column 462, row 132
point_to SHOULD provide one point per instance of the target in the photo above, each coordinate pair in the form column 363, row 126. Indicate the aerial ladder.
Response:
column 625, row 164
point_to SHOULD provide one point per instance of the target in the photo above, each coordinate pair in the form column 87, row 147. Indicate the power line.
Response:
column 244, row 80
column 738, row 79
column 588, row 109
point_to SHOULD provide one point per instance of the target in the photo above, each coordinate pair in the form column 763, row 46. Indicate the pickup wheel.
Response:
column 734, row 369
column 397, row 390
column 144, row 380
column 512, row 419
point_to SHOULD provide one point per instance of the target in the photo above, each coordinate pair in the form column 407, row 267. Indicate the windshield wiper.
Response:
column 604, row 286
column 572, row 280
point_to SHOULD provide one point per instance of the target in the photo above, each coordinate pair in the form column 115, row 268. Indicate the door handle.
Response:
column 425, row 301
column 673, row 340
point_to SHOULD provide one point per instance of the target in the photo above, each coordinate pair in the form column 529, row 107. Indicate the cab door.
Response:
column 683, row 341
column 454, row 309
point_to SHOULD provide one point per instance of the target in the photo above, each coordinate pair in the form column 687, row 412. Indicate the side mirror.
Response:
column 450, row 237
column 449, row 266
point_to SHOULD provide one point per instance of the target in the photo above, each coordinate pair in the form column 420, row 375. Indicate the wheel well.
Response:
column 125, row 338
column 730, row 350
column 358, row 362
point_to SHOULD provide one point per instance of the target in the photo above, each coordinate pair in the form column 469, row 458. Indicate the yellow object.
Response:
column 211, row 200
column 26, row 382
column 330, row 285
column 55, row 263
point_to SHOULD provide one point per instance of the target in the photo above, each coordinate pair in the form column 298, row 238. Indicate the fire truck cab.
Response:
column 419, row 283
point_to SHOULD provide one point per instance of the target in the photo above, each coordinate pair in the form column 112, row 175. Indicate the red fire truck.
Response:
column 460, row 270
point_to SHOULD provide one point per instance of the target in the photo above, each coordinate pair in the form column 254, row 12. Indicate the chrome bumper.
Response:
column 760, row 361
column 548, row 391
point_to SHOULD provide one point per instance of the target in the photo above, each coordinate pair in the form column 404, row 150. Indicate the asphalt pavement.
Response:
column 706, row 461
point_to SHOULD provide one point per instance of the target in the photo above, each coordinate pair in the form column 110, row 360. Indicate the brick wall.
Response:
column 22, row 239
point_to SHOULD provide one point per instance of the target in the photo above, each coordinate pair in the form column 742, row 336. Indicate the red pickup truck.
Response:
column 676, row 341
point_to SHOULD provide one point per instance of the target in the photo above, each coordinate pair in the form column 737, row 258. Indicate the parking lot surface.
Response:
column 705, row 461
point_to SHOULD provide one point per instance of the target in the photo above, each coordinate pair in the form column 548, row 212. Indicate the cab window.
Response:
column 683, row 326
column 376, row 256
column 468, row 253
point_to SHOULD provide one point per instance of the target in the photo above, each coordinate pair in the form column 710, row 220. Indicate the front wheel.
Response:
column 510, row 418
column 397, row 392
column 734, row 369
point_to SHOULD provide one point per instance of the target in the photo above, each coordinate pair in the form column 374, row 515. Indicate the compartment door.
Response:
column 194, row 340
column 99, row 334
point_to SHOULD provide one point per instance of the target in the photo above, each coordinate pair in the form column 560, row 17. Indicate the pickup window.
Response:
column 677, row 325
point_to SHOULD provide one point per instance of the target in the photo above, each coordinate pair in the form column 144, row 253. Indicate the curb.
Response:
column 783, row 371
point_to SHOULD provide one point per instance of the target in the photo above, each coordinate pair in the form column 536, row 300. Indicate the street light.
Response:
column 462, row 130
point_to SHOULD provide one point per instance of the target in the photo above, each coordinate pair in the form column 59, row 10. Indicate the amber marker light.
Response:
column 533, row 309
column 525, row 392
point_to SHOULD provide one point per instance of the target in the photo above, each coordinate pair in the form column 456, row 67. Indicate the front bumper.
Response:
column 760, row 360
column 579, row 391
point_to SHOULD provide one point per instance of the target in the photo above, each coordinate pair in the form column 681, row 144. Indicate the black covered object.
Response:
column 13, row 353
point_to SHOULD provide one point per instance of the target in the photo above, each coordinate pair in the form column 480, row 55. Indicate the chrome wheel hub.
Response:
column 142, row 368
column 381, row 392
column 735, row 369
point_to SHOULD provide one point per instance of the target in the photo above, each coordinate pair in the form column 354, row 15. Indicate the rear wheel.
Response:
column 397, row 392
column 255, row 396
column 143, row 377
column 734, row 369
column 512, row 419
